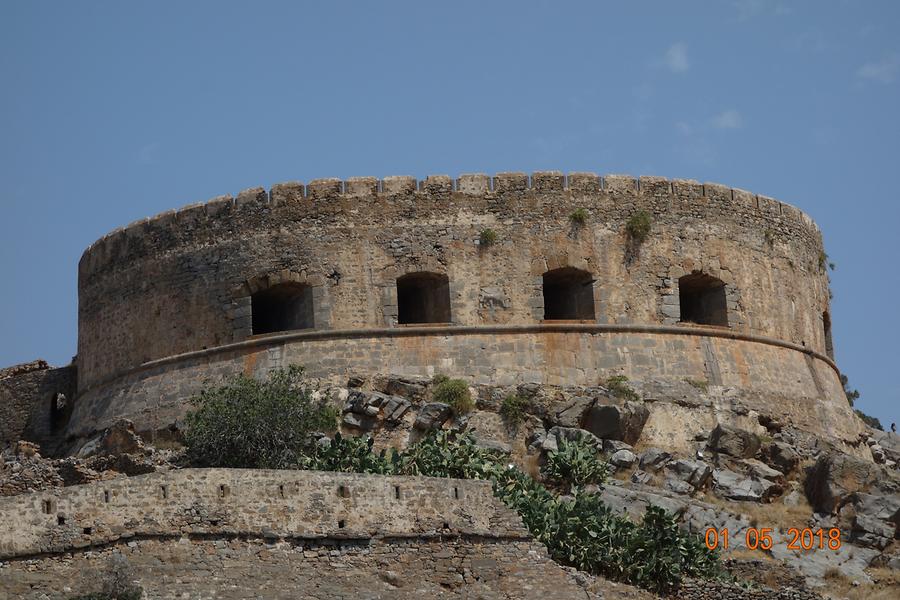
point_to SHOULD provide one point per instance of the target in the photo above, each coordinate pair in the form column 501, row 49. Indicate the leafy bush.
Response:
column 454, row 392
column 638, row 226
column 349, row 455
column 578, row 216
column 618, row 387
column 576, row 463
column 445, row 454
column 438, row 379
column 512, row 409
column 488, row 237
column 247, row 423
column 579, row 531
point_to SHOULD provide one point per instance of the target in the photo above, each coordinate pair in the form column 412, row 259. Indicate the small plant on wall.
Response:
column 638, row 226
column 455, row 393
column 487, row 238
column 637, row 229
column 578, row 216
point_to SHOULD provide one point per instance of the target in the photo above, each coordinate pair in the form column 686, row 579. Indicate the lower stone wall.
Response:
column 27, row 410
column 781, row 382
column 231, row 533
column 315, row 569
column 285, row 504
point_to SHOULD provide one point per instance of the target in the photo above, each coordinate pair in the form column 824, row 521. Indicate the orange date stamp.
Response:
column 762, row 538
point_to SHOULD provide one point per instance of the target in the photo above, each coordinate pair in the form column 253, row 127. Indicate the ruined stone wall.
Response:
column 226, row 533
column 27, row 409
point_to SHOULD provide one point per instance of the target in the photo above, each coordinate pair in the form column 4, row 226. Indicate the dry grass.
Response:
column 886, row 585
column 777, row 515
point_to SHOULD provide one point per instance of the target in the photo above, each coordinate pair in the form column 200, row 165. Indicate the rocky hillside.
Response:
column 758, row 483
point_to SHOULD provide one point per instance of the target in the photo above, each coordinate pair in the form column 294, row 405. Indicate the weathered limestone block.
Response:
column 734, row 442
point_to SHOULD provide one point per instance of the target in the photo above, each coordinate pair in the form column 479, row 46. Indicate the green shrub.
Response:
column 438, row 379
column 247, row 423
column 578, row 216
column 576, row 464
column 454, row 392
column 488, row 237
column 348, row 455
column 512, row 409
column 638, row 226
column 618, row 387
column 579, row 531
column 446, row 454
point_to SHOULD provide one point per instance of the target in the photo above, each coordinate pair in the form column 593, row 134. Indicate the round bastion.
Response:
column 549, row 278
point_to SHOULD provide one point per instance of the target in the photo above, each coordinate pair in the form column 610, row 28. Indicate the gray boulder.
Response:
column 759, row 469
column 409, row 387
column 782, row 456
column 358, row 421
column 571, row 434
column 693, row 472
column 641, row 477
column 572, row 412
column 612, row 446
column 432, row 416
column 673, row 484
column 395, row 408
column 616, row 422
column 654, row 459
column 835, row 477
column 871, row 532
column 623, row 459
column 735, row 486
column 733, row 441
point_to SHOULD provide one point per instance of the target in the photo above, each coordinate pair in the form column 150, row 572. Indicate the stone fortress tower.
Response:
column 393, row 276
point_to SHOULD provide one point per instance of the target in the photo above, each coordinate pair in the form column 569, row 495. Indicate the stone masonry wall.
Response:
column 281, row 504
column 27, row 411
column 182, row 280
column 228, row 533
column 780, row 382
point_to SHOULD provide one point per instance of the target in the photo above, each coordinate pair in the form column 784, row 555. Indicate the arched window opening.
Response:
column 282, row 307
column 423, row 298
column 829, row 343
column 702, row 299
column 568, row 294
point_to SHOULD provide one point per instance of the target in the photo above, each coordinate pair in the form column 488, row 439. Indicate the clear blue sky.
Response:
column 113, row 111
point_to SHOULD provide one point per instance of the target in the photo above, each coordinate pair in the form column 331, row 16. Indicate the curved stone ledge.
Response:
column 263, row 341
column 267, row 504
column 776, row 379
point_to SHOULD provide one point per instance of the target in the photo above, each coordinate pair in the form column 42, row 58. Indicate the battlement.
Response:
column 434, row 188
column 251, row 503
